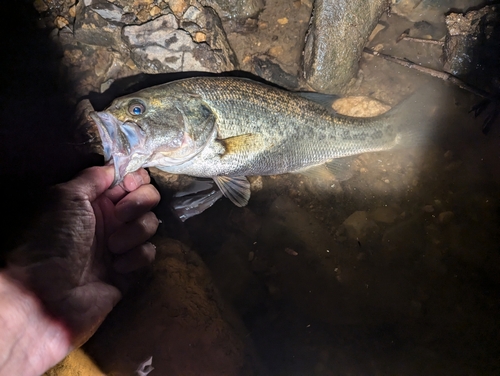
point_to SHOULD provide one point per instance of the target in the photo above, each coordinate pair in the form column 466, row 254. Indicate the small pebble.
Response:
column 291, row 252
column 428, row 208
column 200, row 37
column 283, row 21
column 155, row 11
column 61, row 22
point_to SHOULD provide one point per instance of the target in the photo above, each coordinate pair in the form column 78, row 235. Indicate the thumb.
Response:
column 91, row 182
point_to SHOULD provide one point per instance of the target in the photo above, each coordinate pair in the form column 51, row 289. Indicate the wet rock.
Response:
column 335, row 40
column 40, row 6
column 445, row 217
column 178, row 7
column 61, row 22
column 264, row 67
column 359, row 106
column 108, row 11
column 384, row 215
column 358, row 226
column 179, row 317
column 428, row 208
column 205, row 20
column 86, row 133
column 469, row 38
column 165, row 45
column 55, row 11
column 76, row 363
column 231, row 9
column 90, row 28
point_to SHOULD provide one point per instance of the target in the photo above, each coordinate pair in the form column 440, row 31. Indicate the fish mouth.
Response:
column 122, row 143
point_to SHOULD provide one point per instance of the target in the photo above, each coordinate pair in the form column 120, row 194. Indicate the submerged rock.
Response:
column 358, row 226
column 179, row 318
column 471, row 42
column 335, row 40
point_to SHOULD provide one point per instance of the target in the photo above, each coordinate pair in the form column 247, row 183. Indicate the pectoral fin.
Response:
column 236, row 189
column 245, row 142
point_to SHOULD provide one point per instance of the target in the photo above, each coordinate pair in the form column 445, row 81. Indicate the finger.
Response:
column 91, row 182
column 137, row 203
column 130, row 183
column 133, row 234
column 135, row 179
column 136, row 258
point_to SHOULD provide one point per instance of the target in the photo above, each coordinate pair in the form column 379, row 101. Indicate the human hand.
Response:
column 88, row 242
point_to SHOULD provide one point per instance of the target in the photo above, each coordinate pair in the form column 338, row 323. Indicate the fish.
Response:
column 228, row 128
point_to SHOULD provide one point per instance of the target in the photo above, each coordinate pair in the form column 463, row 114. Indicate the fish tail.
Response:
column 415, row 119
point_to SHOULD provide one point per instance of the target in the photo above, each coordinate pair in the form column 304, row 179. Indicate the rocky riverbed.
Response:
column 393, row 271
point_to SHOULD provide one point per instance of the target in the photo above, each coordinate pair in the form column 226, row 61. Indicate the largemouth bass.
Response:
column 230, row 128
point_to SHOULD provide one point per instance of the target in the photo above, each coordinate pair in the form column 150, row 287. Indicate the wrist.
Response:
column 32, row 340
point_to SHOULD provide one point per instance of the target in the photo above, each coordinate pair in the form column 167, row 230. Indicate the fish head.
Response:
column 153, row 127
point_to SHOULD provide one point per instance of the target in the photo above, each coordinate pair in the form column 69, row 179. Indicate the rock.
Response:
column 231, row 9
column 428, row 208
column 178, row 7
column 468, row 37
column 205, row 20
column 335, row 40
column 384, row 215
column 359, row 106
column 61, row 22
column 108, row 11
column 358, row 226
column 90, row 28
column 178, row 317
column 165, row 45
column 40, row 6
column 76, row 363
column 155, row 11
column 264, row 67
column 445, row 217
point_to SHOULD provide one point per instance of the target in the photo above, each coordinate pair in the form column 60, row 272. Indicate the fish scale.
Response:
column 298, row 132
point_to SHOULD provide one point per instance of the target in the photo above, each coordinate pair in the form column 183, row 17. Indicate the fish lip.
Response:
column 117, row 150
column 107, row 129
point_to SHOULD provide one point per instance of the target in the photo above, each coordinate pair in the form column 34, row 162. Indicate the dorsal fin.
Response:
column 326, row 100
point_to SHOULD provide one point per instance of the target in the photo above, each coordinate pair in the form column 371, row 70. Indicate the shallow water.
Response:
column 395, row 271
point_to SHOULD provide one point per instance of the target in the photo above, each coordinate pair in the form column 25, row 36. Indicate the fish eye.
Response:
column 136, row 108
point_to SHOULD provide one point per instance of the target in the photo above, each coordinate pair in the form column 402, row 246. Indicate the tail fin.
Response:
column 417, row 117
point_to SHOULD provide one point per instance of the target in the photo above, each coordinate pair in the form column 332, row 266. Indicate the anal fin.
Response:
column 341, row 168
column 237, row 189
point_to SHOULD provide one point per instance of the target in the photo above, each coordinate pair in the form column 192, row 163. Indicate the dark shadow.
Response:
column 36, row 131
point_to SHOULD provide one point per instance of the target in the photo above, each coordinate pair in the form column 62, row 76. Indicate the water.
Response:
column 395, row 271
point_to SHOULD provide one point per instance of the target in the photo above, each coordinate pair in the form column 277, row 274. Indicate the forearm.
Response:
column 31, row 341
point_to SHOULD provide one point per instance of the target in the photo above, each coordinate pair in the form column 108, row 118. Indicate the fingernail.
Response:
column 135, row 181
